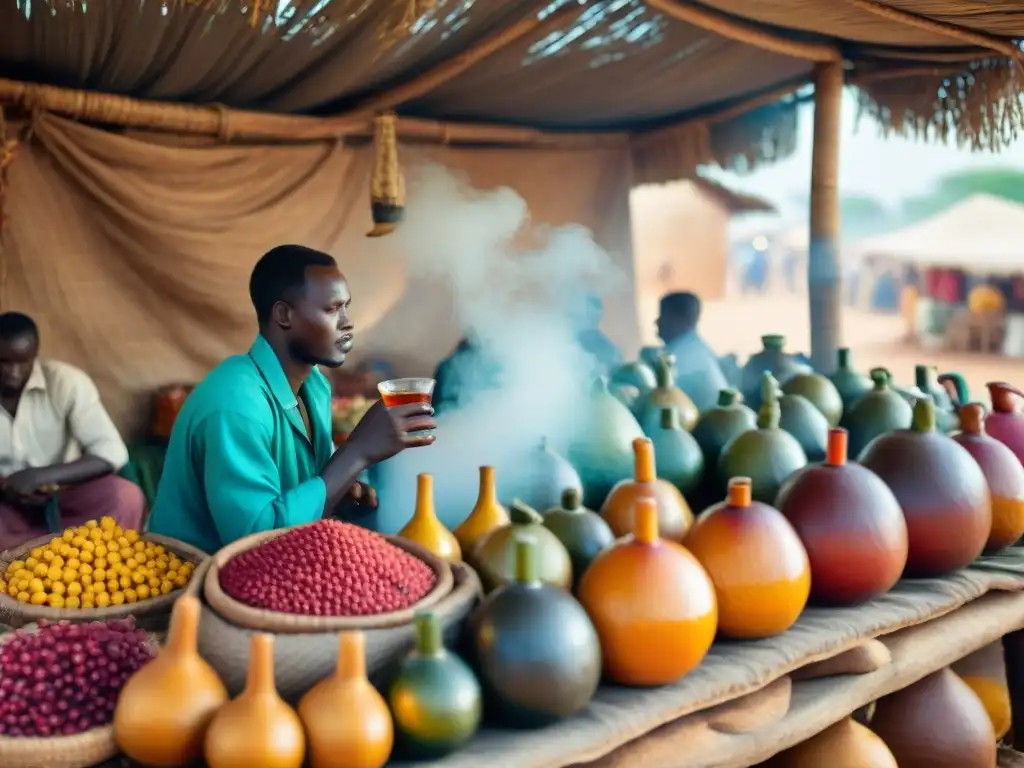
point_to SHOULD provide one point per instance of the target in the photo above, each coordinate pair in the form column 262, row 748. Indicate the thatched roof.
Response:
column 732, row 200
column 689, row 82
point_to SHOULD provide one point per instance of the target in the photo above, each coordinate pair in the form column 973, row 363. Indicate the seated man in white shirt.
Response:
column 45, row 407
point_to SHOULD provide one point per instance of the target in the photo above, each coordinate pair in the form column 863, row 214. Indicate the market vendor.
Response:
column 251, row 449
column 59, row 450
column 698, row 372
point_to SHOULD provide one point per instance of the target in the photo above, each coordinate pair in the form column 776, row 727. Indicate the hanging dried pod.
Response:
column 166, row 707
column 348, row 723
column 257, row 727
column 387, row 186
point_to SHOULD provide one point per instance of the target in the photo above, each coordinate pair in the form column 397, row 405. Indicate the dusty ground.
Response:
column 736, row 325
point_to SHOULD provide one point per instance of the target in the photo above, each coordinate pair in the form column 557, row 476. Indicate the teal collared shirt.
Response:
column 239, row 460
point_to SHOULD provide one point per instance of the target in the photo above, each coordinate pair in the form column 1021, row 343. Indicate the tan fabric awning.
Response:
column 611, row 64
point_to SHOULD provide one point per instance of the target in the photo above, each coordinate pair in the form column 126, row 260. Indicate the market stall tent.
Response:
column 982, row 234
column 151, row 150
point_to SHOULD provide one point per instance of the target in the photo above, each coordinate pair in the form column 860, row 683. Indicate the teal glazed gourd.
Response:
column 775, row 360
column 666, row 395
column 879, row 411
column 436, row 700
column 677, row 455
column 820, row 392
column 582, row 531
column 807, row 424
column 720, row 425
column 536, row 650
column 767, row 455
column 850, row 383
column 602, row 452
column 634, row 374
column 926, row 379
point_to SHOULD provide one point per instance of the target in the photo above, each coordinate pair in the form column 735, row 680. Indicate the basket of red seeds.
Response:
column 59, row 684
column 324, row 576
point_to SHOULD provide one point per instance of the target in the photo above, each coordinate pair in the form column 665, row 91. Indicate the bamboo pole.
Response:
column 741, row 31
column 824, row 279
column 243, row 125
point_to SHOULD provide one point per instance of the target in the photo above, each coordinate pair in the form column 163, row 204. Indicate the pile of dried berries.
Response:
column 64, row 678
column 329, row 568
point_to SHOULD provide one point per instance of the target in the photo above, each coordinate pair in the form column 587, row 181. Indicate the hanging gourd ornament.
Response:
column 755, row 560
column 652, row 603
column 674, row 515
column 851, row 525
column 941, row 490
column 387, row 186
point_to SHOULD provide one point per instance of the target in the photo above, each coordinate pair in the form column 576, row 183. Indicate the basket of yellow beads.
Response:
column 94, row 572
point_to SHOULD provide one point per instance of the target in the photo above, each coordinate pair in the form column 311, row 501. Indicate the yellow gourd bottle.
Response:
column 257, row 728
column 425, row 529
column 164, row 710
column 487, row 515
column 348, row 723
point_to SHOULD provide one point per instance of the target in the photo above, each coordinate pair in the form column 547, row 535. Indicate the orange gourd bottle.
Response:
column 755, row 559
column 652, row 604
column 165, row 708
column 487, row 515
column 674, row 515
column 257, row 727
column 348, row 723
column 425, row 529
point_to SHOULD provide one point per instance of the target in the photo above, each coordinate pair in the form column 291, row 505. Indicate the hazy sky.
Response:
column 888, row 169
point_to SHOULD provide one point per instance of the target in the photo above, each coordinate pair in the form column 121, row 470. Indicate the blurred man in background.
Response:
column 587, row 323
column 698, row 372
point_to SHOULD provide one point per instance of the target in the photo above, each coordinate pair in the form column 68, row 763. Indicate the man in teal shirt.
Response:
column 251, row 449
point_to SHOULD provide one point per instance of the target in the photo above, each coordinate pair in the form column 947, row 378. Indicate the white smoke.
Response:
column 516, row 288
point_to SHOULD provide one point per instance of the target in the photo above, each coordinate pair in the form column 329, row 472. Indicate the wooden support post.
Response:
column 823, row 273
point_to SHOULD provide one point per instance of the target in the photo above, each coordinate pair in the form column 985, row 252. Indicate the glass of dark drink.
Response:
column 404, row 391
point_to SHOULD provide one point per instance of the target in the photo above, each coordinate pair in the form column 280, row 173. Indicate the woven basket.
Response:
column 150, row 613
column 289, row 623
column 302, row 660
column 79, row 751
column 82, row 750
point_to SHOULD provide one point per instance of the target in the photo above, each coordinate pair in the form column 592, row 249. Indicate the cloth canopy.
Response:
column 982, row 233
column 593, row 64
